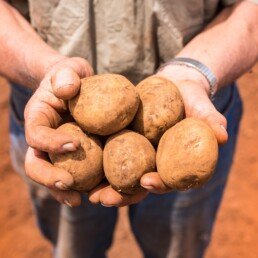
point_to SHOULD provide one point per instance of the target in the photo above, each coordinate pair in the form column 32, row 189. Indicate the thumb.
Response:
column 66, row 77
column 218, row 124
column 199, row 106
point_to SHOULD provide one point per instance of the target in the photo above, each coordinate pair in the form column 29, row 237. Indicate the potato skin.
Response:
column 187, row 155
column 86, row 163
column 161, row 106
column 127, row 156
column 106, row 104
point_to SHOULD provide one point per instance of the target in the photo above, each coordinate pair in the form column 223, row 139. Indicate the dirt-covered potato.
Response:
column 105, row 104
column 127, row 156
column 161, row 106
column 86, row 163
column 187, row 154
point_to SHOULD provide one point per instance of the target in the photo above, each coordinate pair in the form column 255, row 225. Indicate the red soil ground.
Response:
column 236, row 230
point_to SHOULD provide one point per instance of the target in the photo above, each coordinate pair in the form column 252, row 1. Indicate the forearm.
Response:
column 228, row 46
column 25, row 56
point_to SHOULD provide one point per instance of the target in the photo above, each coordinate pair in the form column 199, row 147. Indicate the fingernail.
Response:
column 60, row 185
column 106, row 205
column 147, row 187
column 68, row 203
column 63, row 80
column 223, row 127
column 146, row 183
column 69, row 147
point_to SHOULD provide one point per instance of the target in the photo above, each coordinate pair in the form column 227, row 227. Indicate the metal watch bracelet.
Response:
column 192, row 63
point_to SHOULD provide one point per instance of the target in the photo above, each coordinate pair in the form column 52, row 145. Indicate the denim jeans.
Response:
column 172, row 225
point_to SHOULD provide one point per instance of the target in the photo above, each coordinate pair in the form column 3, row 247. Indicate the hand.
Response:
column 198, row 105
column 46, row 110
column 194, row 91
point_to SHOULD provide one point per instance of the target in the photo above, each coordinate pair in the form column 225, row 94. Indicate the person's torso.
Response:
column 121, row 36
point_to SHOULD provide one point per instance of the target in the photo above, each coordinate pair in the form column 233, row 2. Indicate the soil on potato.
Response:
column 236, row 229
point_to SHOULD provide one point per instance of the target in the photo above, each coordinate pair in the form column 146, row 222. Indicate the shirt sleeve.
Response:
column 253, row 1
column 230, row 2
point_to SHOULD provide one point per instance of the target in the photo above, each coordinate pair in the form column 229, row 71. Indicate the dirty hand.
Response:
column 45, row 111
column 194, row 89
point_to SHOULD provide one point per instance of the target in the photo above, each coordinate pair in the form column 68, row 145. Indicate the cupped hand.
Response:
column 45, row 111
column 197, row 105
column 194, row 89
column 47, row 108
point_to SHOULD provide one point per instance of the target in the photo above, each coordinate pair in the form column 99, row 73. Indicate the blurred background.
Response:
column 236, row 229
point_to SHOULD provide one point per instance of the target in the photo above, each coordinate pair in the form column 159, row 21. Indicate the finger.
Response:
column 68, row 197
column 198, row 105
column 218, row 124
column 82, row 67
column 40, row 119
column 213, row 118
column 110, row 197
column 94, row 194
column 43, row 111
column 40, row 170
column 153, row 183
column 66, row 78
column 65, row 83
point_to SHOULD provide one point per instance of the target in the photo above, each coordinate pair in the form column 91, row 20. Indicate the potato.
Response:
column 161, row 106
column 127, row 156
column 105, row 104
column 187, row 155
column 86, row 163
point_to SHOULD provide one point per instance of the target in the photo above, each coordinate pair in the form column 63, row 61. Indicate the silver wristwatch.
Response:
column 189, row 62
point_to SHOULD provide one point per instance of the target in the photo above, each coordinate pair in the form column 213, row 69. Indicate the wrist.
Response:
column 38, row 67
column 48, row 63
column 187, row 69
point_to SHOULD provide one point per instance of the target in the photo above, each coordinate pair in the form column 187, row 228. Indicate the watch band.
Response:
column 192, row 63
